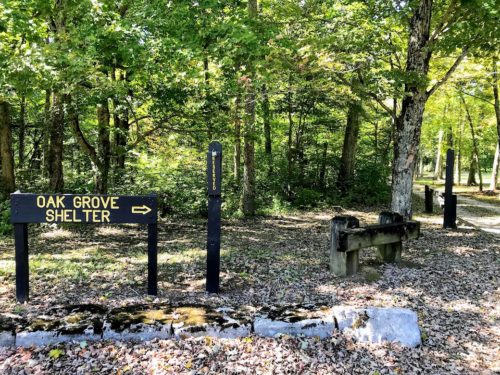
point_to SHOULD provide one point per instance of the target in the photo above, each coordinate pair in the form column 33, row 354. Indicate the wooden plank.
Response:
column 341, row 263
column 373, row 235
column 22, row 262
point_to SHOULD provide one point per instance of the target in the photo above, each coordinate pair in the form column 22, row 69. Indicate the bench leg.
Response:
column 390, row 253
column 352, row 262
column 342, row 264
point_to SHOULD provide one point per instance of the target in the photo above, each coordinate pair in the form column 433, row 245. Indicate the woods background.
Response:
column 315, row 102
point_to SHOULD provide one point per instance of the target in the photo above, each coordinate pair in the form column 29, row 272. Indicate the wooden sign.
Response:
column 85, row 209
column 450, row 200
column 214, row 179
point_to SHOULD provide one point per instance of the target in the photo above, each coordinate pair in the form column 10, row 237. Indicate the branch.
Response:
column 444, row 21
column 370, row 94
column 475, row 96
column 448, row 74
column 82, row 141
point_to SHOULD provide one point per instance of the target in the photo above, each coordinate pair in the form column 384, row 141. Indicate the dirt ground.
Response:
column 450, row 278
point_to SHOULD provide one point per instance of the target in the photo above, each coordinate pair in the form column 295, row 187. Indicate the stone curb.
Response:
column 164, row 321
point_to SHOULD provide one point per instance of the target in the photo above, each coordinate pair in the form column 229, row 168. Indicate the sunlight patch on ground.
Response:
column 57, row 234
column 111, row 231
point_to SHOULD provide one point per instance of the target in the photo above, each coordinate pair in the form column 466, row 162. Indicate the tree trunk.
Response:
column 237, row 139
column 474, row 143
column 56, row 135
column 7, row 178
column 289, row 151
column 22, row 130
column 471, row 180
column 494, row 171
column 346, row 169
column 438, row 170
column 409, row 121
column 322, row 169
column 248, row 193
column 104, row 147
column 46, row 133
column 266, row 114
column 497, row 115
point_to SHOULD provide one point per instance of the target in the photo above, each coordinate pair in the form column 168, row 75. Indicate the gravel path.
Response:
column 482, row 215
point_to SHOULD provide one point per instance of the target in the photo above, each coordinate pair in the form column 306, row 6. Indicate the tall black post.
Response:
column 428, row 199
column 450, row 200
column 22, row 262
column 153, row 259
column 214, row 177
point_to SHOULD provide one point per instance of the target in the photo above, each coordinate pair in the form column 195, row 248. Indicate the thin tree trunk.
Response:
column 289, row 151
column 322, row 170
column 438, row 170
column 22, row 130
column 46, row 132
column 266, row 114
column 494, row 171
column 346, row 170
column 237, row 139
column 248, row 193
column 474, row 143
column 471, row 180
column 56, row 176
column 497, row 114
column 104, row 147
column 7, row 178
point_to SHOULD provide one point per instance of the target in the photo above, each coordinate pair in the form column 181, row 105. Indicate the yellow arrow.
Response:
column 141, row 209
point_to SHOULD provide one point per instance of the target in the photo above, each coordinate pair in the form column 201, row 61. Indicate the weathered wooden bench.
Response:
column 347, row 239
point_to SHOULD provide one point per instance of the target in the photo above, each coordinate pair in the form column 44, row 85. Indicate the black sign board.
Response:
column 78, row 208
column 214, row 177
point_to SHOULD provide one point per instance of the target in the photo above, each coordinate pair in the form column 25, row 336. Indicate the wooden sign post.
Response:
column 78, row 208
column 450, row 200
column 214, row 177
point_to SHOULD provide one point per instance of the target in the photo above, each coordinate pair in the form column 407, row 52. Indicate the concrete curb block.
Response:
column 162, row 321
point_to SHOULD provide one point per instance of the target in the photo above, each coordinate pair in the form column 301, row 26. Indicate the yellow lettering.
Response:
column 59, row 215
column 49, row 216
column 95, row 202
column 105, row 216
column 75, row 219
column 51, row 202
column 96, row 217
column 77, row 202
column 105, row 202
column 60, row 201
column 87, row 214
column 40, row 201
column 114, row 204
column 85, row 202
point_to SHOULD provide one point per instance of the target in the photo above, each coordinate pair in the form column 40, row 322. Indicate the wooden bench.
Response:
column 347, row 239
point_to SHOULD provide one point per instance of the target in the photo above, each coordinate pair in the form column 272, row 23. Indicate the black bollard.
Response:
column 450, row 200
column 428, row 199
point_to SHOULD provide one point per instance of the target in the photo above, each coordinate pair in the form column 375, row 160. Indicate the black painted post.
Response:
column 214, row 178
column 428, row 200
column 22, row 261
column 450, row 201
column 153, row 259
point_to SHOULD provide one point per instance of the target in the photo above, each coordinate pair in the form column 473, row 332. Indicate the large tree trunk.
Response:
column 346, row 169
column 7, row 179
column 248, row 193
column 409, row 121
column 56, row 135
column 104, row 147
column 237, row 139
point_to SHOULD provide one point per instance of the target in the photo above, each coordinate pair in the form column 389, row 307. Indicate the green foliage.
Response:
column 5, row 225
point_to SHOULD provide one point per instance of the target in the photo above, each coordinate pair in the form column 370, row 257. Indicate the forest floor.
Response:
column 450, row 278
